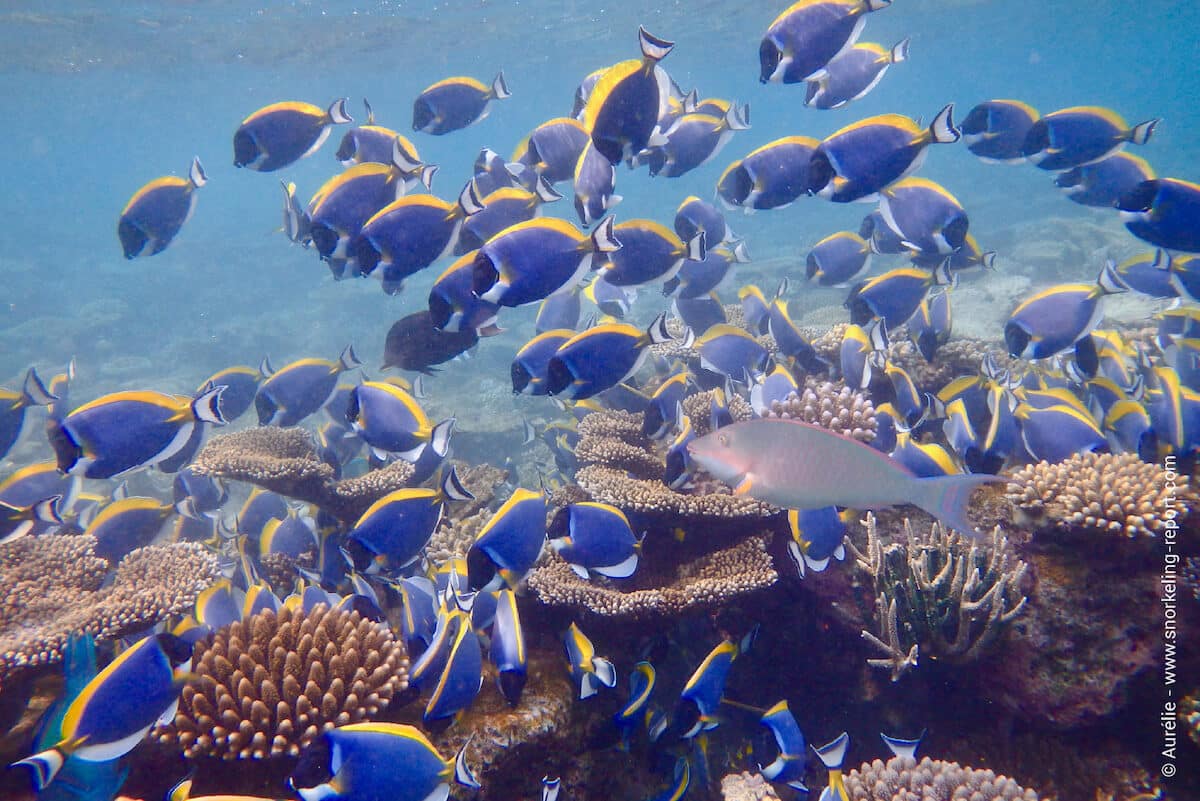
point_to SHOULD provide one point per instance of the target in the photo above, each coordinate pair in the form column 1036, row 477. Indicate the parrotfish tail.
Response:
column 500, row 88
column 1142, row 132
column 653, row 48
column 900, row 51
column 337, row 112
column 206, row 407
column 349, row 359
column 833, row 754
column 45, row 766
column 942, row 129
column 453, row 488
column 946, row 498
column 462, row 771
column 196, row 173
column 34, row 392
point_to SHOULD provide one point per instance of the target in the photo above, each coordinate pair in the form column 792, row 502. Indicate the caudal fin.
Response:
column 45, row 766
column 946, row 498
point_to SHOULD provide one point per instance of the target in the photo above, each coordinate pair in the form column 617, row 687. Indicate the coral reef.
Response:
column 747, row 786
column 271, row 683
column 1113, row 493
column 698, row 408
column 284, row 460
column 939, row 593
column 710, row 581
column 832, row 405
column 905, row 779
column 614, row 439
column 615, row 487
column 54, row 587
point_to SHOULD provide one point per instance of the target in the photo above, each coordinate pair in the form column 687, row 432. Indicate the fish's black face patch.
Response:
column 1140, row 198
column 484, row 274
column 1016, row 339
column 860, row 312
column 976, row 122
column 511, row 684
column 820, row 172
column 324, row 239
column 422, row 115
column 520, row 378
column 558, row 377
column 133, row 240
column 347, row 148
column 66, row 449
column 480, row 568
column 1070, row 178
column 245, row 150
column 768, row 60
column 365, row 254
column 440, row 311
column 955, row 232
column 1037, row 140
column 314, row 766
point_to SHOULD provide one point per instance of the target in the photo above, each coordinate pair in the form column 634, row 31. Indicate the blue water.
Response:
column 101, row 101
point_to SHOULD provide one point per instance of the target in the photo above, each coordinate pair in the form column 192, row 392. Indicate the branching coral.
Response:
column 747, row 786
column 905, row 779
column 54, row 587
column 270, row 684
column 699, row 405
column 940, row 594
column 832, row 405
column 284, row 460
column 709, row 581
column 1117, row 493
column 614, row 439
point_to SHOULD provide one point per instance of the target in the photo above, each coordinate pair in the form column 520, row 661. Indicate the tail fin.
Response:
column 370, row 112
column 946, row 498
column 45, row 766
column 1142, row 132
column 349, row 359
column 653, row 48
column 833, row 754
column 545, row 192
column 453, row 488
column 462, row 771
column 657, row 332
column 206, row 407
column 439, row 438
column 903, row 748
column 500, row 89
column 34, row 392
column 900, row 51
column 696, row 247
column 402, row 160
column 196, row 173
column 469, row 200
column 942, row 129
column 337, row 112
column 738, row 117
column 603, row 239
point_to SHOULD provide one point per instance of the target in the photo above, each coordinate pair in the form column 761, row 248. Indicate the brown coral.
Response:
column 53, row 589
column 270, row 684
column 614, row 487
column 709, row 581
column 614, row 439
column 905, row 779
column 832, row 405
column 1117, row 493
column 284, row 460
column 698, row 409
column 747, row 786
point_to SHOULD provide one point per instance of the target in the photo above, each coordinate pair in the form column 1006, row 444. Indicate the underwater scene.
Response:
column 600, row 401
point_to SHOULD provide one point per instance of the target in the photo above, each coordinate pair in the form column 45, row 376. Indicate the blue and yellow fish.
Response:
column 660, row 415
column 118, row 707
column 1055, row 319
column 454, row 307
column 695, row 215
column 698, row 279
column 800, row 42
column 1164, row 212
column 867, row 156
column 602, row 357
column 862, row 353
column 456, row 103
column 282, row 133
column 700, row 314
column 1054, row 433
column 1102, row 183
column 373, row 143
column 591, row 671
column 731, row 352
column 995, row 130
column 461, row 677
column 896, row 295
column 677, row 464
column 124, row 430
column 692, row 141
column 649, row 252
column 303, row 387
column 553, row 149
column 853, row 73
column 595, row 185
column 509, row 543
column 13, row 405
column 837, row 258
column 500, row 209
column 129, row 523
column 395, row 528
column 156, row 212
column 17, row 521
column 508, row 648
column 376, row 761
column 391, row 421
column 1073, row 137
column 701, row 695
column 788, row 767
column 816, row 536
column 929, row 328
column 535, row 259
column 624, row 107
column 559, row 311
column 925, row 216
column 774, row 388
column 832, row 756
column 531, row 365
column 595, row 538
column 770, row 177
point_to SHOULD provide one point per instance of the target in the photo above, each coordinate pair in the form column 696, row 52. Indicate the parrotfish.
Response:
column 795, row 465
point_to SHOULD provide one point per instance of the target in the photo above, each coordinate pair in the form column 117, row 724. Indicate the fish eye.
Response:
column 723, row 439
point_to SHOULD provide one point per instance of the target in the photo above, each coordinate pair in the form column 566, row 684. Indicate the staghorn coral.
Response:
column 830, row 404
column 905, row 779
column 698, row 409
column 269, row 684
column 940, row 594
column 54, row 587
column 284, row 460
column 1116, row 493
column 611, row 486
column 747, row 786
column 709, row 581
